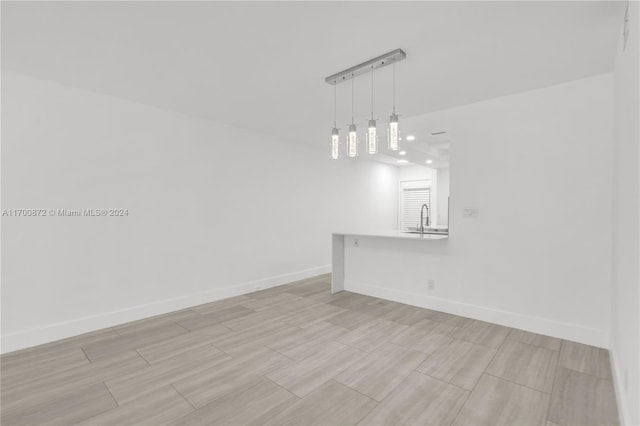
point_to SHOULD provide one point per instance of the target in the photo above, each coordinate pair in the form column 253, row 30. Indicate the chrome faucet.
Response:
column 422, row 218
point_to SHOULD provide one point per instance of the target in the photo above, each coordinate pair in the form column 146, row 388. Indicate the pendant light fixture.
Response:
column 372, row 134
column 335, row 133
column 393, row 133
column 371, row 146
column 352, row 143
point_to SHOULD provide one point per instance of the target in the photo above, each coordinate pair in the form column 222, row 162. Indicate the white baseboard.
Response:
column 52, row 332
column 618, row 384
column 547, row 327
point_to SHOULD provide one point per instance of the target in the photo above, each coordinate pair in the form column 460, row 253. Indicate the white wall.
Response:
column 443, row 197
column 213, row 210
column 538, row 257
column 625, row 324
column 413, row 172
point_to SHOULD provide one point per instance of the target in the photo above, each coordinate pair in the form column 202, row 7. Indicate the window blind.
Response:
column 412, row 201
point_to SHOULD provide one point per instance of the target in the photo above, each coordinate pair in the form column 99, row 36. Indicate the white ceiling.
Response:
column 261, row 65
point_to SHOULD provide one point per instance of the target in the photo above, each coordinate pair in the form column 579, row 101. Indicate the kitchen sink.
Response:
column 441, row 231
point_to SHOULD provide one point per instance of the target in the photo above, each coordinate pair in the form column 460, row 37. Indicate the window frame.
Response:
column 416, row 184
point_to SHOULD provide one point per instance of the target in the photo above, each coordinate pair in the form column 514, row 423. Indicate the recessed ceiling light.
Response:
column 410, row 137
column 402, row 161
column 403, row 153
column 429, row 161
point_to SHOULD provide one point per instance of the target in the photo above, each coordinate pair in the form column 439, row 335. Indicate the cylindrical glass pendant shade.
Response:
column 335, row 143
column 394, row 133
column 352, row 145
column 372, row 137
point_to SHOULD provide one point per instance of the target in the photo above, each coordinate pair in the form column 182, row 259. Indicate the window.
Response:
column 413, row 194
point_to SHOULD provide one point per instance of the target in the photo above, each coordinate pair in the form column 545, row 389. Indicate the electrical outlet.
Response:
column 356, row 243
column 471, row 212
column 431, row 284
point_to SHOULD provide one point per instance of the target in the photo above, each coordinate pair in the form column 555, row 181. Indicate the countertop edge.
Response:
column 396, row 235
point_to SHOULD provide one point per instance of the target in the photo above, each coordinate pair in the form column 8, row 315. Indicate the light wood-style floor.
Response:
column 297, row 355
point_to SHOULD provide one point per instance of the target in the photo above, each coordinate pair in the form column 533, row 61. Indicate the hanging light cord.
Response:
column 352, row 92
column 372, row 92
column 335, row 105
column 394, row 86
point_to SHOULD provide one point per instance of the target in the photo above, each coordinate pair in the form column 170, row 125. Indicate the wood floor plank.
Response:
column 312, row 314
column 316, row 334
column 582, row 399
column 449, row 319
column 426, row 336
column 265, row 333
column 324, row 279
column 303, row 377
column 88, row 338
column 351, row 301
column 174, row 346
column 351, row 320
column 68, row 407
column 278, row 300
column 153, row 377
column 437, row 327
column 586, row 359
column 372, row 335
column 213, row 318
column 34, row 367
column 35, row 355
column 243, row 371
column 256, row 319
column 311, row 292
column 42, row 353
column 320, row 334
column 427, row 343
column 161, row 407
column 483, row 333
column 378, row 373
column 142, row 335
column 377, row 307
column 269, row 292
column 310, row 288
column 154, row 323
column 324, row 296
column 527, row 365
column 218, row 305
column 406, row 314
column 418, row 400
column 330, row 404
column 496, row 402
column 548, row 342
column 289, row 340
column 252, row 406
column 296, row 304
column 49, row 387
column 459, row 363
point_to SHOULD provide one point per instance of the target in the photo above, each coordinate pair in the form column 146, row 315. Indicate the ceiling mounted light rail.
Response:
column 365, row 67
column 393, row 131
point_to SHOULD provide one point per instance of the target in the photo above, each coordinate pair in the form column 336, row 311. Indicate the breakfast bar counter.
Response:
column 338, row 248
